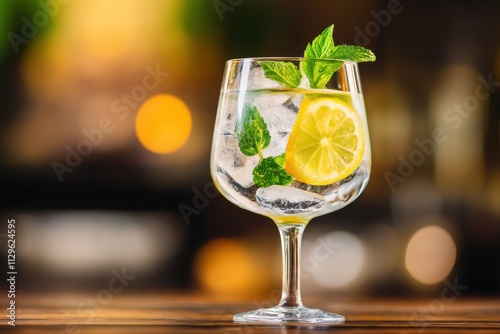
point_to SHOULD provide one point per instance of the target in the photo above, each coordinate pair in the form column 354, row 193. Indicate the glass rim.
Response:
column 296, row 59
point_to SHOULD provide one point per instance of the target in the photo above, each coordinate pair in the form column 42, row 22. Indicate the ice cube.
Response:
column 257, row 80
column 236, row 164
column 288, row 200
column 293, row 102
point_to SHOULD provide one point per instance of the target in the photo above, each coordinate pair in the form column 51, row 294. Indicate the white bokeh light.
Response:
column 430, row 255
column 335, row 260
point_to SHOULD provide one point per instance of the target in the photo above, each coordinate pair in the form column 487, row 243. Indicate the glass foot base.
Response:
column 279, row 314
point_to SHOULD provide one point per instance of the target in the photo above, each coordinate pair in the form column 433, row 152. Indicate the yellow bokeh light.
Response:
column 163, row 124
column 110, row 44
column 46, row 67
column 107, row 28
column 430, row 255
column 225, row 267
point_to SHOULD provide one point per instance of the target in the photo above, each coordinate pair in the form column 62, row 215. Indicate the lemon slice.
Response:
column 326, row 143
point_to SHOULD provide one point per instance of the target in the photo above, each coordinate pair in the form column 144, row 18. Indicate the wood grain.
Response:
column 183, row 313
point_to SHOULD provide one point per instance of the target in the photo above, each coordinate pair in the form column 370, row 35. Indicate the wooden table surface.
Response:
column 174, row 313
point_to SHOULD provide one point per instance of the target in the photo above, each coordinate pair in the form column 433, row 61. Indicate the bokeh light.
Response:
column 86, row 243
column 46, row 68
column 430, row 255
column 225, row 267
column 163, row 124
column 334, row 260
column 108, row 29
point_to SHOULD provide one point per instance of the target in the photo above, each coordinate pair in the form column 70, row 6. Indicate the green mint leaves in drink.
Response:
column 270, row 171
column 253, row 137
column 252, row 133
column 317, row 72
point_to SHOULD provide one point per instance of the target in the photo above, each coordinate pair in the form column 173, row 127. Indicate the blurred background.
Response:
column 84, row 83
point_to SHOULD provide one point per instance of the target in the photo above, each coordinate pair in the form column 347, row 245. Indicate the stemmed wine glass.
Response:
column 290, row 154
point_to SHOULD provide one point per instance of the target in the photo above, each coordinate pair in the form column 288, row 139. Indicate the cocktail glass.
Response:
column 304, row 127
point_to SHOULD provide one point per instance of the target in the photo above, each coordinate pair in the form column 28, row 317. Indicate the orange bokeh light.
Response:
column 225, row 267
column 163, row 124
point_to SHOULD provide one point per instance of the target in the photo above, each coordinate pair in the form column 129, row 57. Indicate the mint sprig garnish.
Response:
column 353, row 53
column 253, row 137
column 322, row 47
column 252, row 133
column 270, row 171
column 283, row 72
column 317, row 72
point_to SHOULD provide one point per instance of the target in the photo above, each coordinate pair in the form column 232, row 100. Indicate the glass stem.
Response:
column 291, row 236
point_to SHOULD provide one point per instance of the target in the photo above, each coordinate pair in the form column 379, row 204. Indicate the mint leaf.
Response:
column 283, row 72
column 270, row 172
column 280, row 160
column 319, row 73
column 352, row 53
column 252, row 133
column 322, row 46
